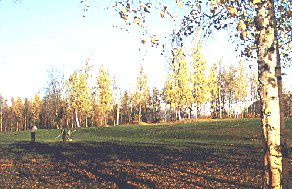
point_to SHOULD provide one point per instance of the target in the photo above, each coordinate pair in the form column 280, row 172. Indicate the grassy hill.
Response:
column 237, row 131
column 214, row 154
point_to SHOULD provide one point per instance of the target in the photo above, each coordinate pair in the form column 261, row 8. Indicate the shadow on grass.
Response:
column 152, row 166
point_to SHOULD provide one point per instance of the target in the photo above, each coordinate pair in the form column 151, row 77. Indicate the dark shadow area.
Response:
column 122, row 163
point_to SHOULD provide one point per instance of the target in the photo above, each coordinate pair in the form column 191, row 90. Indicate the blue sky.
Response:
column 36, row 35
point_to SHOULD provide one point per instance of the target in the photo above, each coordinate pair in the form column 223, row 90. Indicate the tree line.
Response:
column 84, row 101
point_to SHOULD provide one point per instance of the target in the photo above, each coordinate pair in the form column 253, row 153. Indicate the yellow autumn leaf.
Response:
column 257, row 1
column 162, row 14
column 241, row 26
column 154, row 40
column 290, row 45
column 266, row 21
column 180, row 5
column 213, row 3
column 123, row 10
column 136, row 19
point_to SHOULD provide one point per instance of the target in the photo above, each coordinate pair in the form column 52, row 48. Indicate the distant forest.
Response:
column 226, row 92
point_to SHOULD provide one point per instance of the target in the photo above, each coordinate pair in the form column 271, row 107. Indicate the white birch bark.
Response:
column 77, row 121
column 118, row 114
column 269, row 73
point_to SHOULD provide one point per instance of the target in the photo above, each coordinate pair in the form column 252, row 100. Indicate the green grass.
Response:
column 246, row 131
column 216, row 154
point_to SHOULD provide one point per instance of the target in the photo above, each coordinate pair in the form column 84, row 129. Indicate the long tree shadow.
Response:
column 152, row 165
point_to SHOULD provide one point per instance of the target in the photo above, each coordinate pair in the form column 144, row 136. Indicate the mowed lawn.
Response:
column 214, row 154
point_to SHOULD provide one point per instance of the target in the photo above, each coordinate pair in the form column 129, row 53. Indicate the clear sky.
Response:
column 36, row 35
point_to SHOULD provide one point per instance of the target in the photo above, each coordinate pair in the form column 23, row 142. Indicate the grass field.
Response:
column 216, row 154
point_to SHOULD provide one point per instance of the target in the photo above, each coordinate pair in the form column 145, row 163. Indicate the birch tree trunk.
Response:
column 139, row 113
column 179, row 115
column 196, row 110
column 220, row 109
column 72, row 122
column 1, row 120
column 270, row 93
column 25, row 120
column 283, row 135
column 86, row 123
column 118, row 114
column 77, row 120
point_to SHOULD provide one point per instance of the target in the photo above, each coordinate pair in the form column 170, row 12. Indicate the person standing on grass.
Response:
column 33, row 132
column 64, row 134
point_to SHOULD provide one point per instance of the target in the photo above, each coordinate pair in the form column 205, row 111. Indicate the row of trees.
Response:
column 187, row 87
column 263, row 28
column 79, row 102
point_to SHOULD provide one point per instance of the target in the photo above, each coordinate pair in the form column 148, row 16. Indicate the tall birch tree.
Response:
column 169, row 93
column 264, row 27
column 213, row 88
column 18, row 110
column 125, row 107
column 141, row 94
column 78, row 95
column 198, row 76
column 242, row 85
column 36, row 107
column 1, row 112
column 230, row 85
column 182, row 81
column 105, row 98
